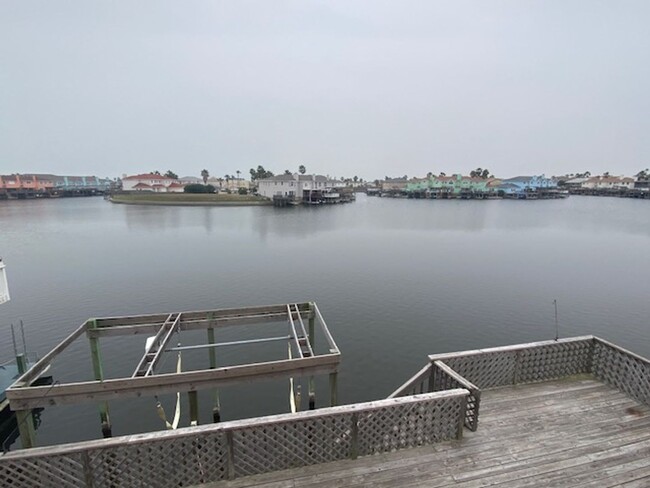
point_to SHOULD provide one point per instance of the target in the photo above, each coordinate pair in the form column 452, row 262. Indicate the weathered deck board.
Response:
column 578, row 433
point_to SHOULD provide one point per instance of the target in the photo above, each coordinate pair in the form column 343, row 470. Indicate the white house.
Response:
column 295, row 185
column 152, row 182
column 609, row 182
column 191, row 180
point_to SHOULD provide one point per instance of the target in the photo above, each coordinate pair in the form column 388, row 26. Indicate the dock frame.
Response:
column 145, row 381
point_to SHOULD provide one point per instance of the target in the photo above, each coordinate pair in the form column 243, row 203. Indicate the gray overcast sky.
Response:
column 369, row 88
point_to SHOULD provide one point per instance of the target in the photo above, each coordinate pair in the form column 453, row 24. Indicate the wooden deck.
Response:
column 570, row 433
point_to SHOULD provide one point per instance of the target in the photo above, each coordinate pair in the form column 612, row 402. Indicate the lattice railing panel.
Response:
column 486, row 370
column 627, row 372
column 409, row 425
column 552, row 361
column 443, row 381
column 172, row 462
column 53, row 471
column 271, row 447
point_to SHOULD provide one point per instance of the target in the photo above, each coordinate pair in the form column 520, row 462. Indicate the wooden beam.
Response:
column 196, row 324
column 40, row 366
column 93, row 391
column 513, row 348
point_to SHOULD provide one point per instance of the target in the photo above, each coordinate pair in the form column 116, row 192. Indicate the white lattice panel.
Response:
column 487, row 370
column 173, row 462
column 554, row 361
column 52, row 471
column 626, row 372
column 259, row 449
column 410, row 425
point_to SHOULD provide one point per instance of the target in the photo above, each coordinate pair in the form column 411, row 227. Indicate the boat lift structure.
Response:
column 305, row 326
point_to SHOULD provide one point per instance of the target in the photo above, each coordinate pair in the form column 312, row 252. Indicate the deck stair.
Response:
column 156, row 345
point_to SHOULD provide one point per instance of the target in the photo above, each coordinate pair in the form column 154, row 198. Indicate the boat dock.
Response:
column 569, row 412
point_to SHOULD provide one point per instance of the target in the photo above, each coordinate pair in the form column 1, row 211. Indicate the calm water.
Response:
column 395, row 279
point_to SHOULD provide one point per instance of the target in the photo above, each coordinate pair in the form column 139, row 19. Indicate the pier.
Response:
column 568, row 412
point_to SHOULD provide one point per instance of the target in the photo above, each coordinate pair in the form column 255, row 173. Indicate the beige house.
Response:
column 150, row 182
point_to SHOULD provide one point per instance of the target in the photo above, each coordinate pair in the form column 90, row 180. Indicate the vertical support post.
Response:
column 25, row 418
column 432, row 377
column 354, row 436
column 461, row 417
column 95, row 352
column 193, row 397
column 312, row 336
column 515, row 375
column 333, row 389
column 230, row 460
column 212, row 352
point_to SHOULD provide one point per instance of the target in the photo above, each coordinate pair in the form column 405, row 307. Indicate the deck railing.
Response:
column 203, row 454
column 482, row 369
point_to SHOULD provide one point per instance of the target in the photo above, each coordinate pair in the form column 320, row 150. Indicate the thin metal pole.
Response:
column 13, row 339
column 211, row 345
column 557, row 327
column 22, row 333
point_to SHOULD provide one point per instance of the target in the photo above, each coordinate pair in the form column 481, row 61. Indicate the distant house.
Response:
column 151, row 182
column 522, row 184
column 295, row 186
column 231, row 184
column 609, row 183
column 191, row 180
column 454, row 184
column 393, row 184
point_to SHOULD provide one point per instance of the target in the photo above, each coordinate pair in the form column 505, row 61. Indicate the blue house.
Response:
column 522, row 185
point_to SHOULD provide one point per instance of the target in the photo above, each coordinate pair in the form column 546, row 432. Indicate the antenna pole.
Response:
column 13, row 339
column 557, row 327
column 22, row 332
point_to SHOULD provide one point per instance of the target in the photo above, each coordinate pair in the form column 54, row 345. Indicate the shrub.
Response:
column 198, row 188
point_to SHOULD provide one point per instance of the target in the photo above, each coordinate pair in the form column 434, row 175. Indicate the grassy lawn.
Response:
column 189, row 199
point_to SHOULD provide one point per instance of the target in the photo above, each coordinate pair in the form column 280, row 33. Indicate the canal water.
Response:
column 395, row 280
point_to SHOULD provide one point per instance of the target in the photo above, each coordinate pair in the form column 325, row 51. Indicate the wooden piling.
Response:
column 24, row 418
column 333, row 389
column 312, row 335
column 193, row 397
column 95, row 352
column 212, row 352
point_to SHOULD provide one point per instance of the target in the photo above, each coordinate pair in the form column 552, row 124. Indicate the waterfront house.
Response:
column 151, row 182
column 32, row 185
column 521, row 185
column 609, row 183
column 454, row 185
column 393, row 184
column 190, row 180
column 230, row 184
column 296, row 187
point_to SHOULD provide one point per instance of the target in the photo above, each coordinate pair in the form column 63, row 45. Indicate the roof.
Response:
column 142, row 185
column 147, row 176
column 521, row 179
column 320, row 178
column 282, row 177
column 176, row 184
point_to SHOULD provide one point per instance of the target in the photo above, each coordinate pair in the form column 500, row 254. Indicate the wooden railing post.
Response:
column 515, row 375
column 461, row 416
column 230, row 456
column 88, row 472
column 354, row 436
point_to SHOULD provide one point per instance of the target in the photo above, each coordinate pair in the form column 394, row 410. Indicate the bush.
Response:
column 198, row 188
column 242, row 191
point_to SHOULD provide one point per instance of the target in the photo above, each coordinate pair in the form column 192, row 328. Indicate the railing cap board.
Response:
column 412, row 381
column 461, row 379
column 622, row 349
column 511, row 348
column 229, row 426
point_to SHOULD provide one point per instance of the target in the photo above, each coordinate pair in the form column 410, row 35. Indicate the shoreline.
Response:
column 189, row 203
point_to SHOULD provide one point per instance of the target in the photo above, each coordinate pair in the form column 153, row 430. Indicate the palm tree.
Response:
column 205, row 175
column 301, row 169
column 238, row 173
